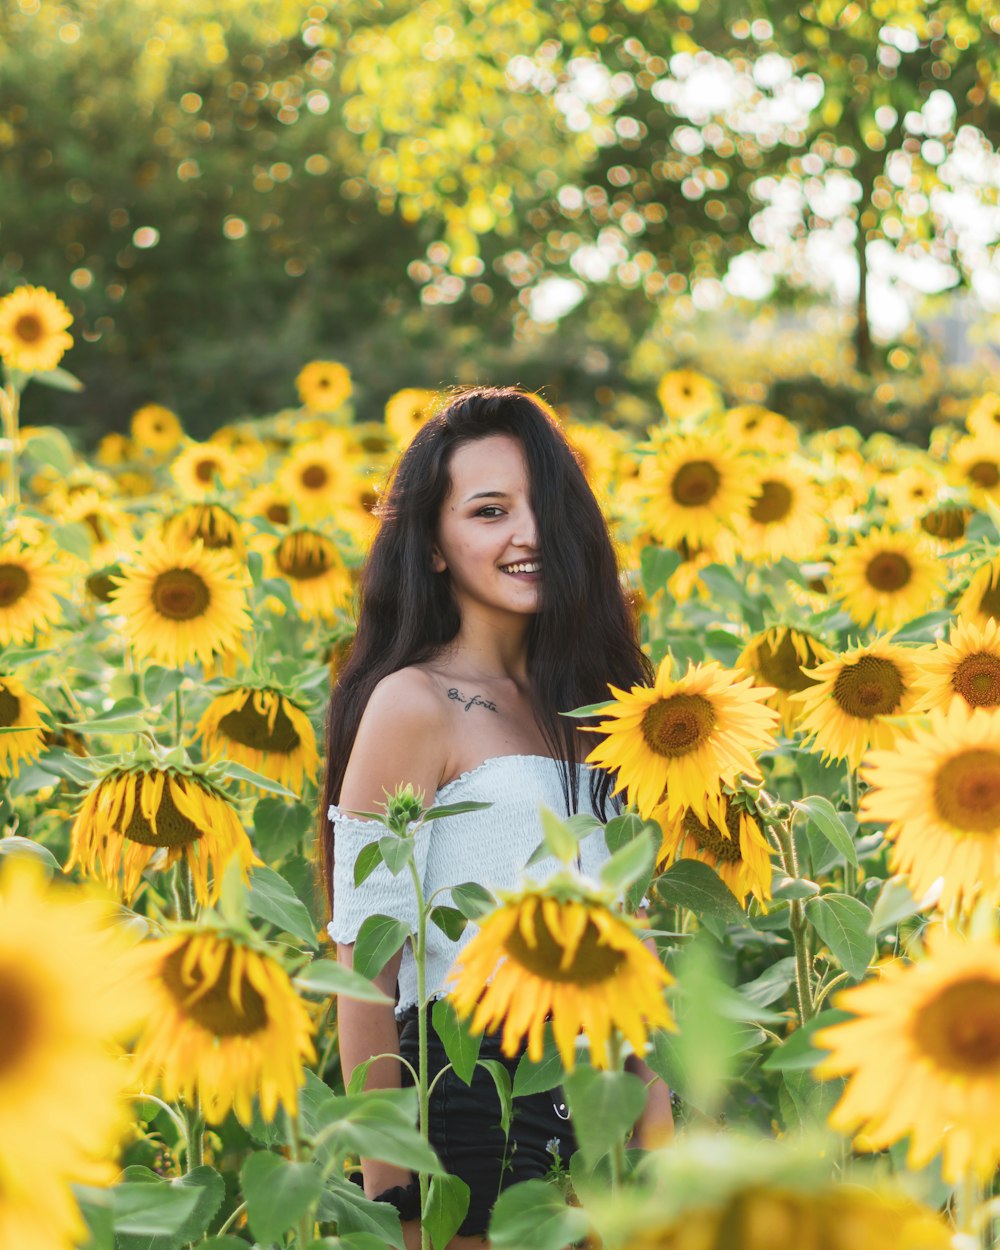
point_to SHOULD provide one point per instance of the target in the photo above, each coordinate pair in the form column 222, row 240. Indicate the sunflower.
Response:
column 759, row 428
column 691, row 489
column 263, row 729
column 922, row 1056
column 225, row 1026
column 31, row 576
column 100, row 583
column 939, row 791
column 318, row 475
column 598, row 448
column 156, row 429
column 854, row 695
column 563, row 954
column 909, row 491
column 214, row 526
column 777, row 658
column 887, row 578
column 318, row 576
column 975, row 463
column 685, row 394
column 108, row 526
column 966, row 666
column 113, row 450
column 19, row 708
column 183, row 606
column 249, row 449
column 132, row 813
column 64, row 999
column 980, row 602
column 270, row 502
column 686, row 736
column 33, row 324
column 729, row 839
column 983, row 419
column 202, row 468
column 323, row 385
column 947, row 523
column 785, row 518
column 407, row 411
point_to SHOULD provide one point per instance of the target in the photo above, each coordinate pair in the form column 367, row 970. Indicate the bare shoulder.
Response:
column 402, row 739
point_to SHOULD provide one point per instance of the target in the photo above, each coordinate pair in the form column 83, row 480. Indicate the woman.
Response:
column 490, row 603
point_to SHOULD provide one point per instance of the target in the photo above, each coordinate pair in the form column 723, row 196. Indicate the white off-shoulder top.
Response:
column 491, row 847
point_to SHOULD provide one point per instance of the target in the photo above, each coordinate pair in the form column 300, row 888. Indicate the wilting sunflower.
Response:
column 922, row 1057
column 323, row 385
column 980, row 602
column 760, row 429
column 939, row 792
column 318, row 475
column 687, row 736
column 185, row 605
column 203, row 468
column 156, row 429
column 407, row 411
column 777, row 658
column 17, row 708
column 729, row 839
column 225, row 1025
column 33, row 324
column 983, row 419
column 65, row 997
column 975, row 463
column 560, row 953
column 263, row 729
column 967, row 666
column 887, row 578
column 318, row 576
column 848, row 707
column 692, row 487
column 785, row 517
column 214, row 526
column 132, row 813
column 30, row 578
column 686, row 394
column 947, row 524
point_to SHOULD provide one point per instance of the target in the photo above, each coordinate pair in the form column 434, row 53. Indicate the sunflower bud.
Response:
column 403, row 807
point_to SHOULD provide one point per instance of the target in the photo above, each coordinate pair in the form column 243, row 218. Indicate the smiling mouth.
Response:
column 524, row 566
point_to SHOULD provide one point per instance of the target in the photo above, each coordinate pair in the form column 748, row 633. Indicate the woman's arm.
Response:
column 400, row 740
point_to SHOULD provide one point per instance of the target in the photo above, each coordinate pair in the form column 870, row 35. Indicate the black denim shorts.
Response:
column 464, row 1125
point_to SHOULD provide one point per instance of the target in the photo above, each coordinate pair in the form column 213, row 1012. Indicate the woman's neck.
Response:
column 486, row 647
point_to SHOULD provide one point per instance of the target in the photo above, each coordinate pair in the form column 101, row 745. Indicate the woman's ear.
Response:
column 437, row 561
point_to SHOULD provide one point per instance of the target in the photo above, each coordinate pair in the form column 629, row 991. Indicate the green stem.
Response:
column 306, row 1222
column 966, row 1203
column 184, row 903
column 231, row 1220
column 178, row 716
column 423, row 1093
column 799, row 927
column 617, row 1156
column 195, row 1135
column 853, row 787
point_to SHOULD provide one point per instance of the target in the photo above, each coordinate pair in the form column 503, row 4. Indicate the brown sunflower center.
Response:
column 967, row 791
column 209, row 1003
column 96, row 526
column 29, row 328
column 180, row 595
column 959, row 1029
column 989, row 604
column 173, row 828
column 695, row 484
column 779, row 666
column 206, row 469
column 215, row 527
column 19, row 1023
column 314, row 477
column 774, row 504
column 14, row 582
column 977, row 679
column 304, row 556
column 711, row 838
column 251, row 728
column 593, row 963
column 984, row 473
column 888, row 571
column 10, row 707
column 870, row 687
column 100, row 586
column 678, row 725
column 278, row 513
column 944, row 523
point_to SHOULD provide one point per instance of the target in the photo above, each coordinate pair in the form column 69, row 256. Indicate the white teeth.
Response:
column 529, row 566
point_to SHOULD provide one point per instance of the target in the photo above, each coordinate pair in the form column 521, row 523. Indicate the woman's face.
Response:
column 487, row 536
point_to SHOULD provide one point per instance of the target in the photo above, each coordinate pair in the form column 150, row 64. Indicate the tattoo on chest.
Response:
column 475, row 701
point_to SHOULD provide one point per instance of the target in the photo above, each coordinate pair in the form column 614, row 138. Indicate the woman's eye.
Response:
column 490, row 510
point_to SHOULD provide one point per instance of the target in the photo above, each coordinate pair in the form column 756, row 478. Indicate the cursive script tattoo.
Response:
column 475, row 701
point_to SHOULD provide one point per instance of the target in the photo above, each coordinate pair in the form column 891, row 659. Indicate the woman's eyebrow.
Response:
column 487, row 494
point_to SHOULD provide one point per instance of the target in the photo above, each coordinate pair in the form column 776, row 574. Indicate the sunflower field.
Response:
column 812, row 820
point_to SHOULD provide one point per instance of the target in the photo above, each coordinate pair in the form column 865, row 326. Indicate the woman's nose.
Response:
column 526, row 531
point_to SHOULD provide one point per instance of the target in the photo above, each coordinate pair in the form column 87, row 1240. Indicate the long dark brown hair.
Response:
column 584, row 635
